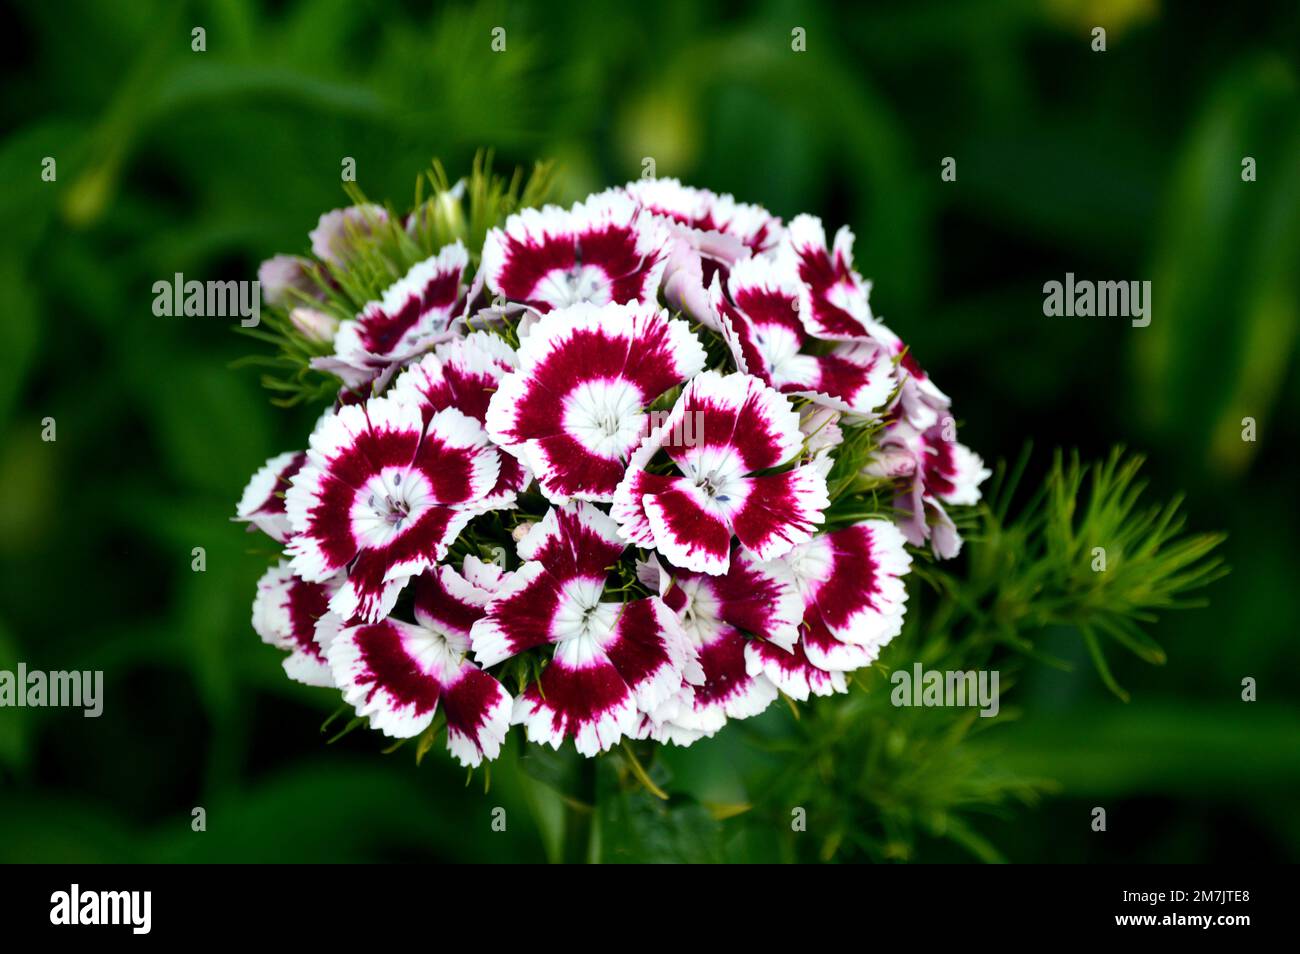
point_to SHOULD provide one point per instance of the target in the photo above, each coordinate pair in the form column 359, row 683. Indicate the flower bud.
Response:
column 316, row 326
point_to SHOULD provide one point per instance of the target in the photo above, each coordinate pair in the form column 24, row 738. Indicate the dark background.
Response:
column 1121, row 165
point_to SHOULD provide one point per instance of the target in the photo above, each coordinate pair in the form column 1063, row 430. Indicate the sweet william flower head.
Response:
column 663, row 472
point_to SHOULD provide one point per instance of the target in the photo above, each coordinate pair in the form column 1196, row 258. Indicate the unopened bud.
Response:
column 315, row 325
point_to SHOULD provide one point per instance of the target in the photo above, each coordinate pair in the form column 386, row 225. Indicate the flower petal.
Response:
column 781, row 510
column 791, row 671
column 758, row 598
column 518, row 618
column 853, row 591
column 650, row 651
column 686, row 529
column 704, row 211
column 568, row 555
column 446, row 601
column 834, row 301
column 951, row 471
column 262, row 503
column 728, row 685
column 580, row 695
column 575, row 540
column 286, row 612
column 735, row 415
column 462, row 373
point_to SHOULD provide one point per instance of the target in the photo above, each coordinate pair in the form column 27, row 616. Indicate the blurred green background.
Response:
column 1123, row 164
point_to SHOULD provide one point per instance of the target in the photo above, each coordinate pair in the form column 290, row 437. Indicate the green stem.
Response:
column 579, row 815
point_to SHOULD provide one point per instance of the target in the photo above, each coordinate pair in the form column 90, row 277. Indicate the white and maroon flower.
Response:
column 833, row 302
column 383, row 496
column 933, row 470
column 398, row 673
column 759, row 318
column 851, row 581
column 463, row 374
column 602, row 250
column 576, row 408
column 262, row 503
column 287, row 612
column 333, row 237
column 610, row 660
column 720, row 432
column 704, row 211
column 413, row 314
column 721, row 615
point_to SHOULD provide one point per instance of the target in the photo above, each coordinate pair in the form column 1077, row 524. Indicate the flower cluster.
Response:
column 648, row 461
